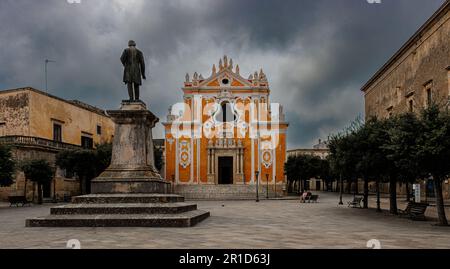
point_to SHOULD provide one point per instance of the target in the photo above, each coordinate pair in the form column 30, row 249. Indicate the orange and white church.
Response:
column 226, row 132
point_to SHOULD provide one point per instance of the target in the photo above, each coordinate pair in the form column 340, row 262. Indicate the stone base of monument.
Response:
column 130, row 193
column 123, row 210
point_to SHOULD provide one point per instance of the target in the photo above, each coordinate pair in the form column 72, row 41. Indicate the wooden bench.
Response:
column 16, row 200
column 313, row 198
column 356, row 202
column 304, row 198
column 414, row 211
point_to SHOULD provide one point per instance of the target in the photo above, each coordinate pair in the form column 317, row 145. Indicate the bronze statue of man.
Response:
column 134, row 67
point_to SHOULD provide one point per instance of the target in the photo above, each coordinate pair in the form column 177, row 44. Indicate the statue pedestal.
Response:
column 132, row 168
column 130, row 193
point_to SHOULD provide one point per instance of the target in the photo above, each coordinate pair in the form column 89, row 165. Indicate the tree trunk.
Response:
column 356, row 189
column 349, row 186
column 393, row 196
column 83, row 185
column 25, row 189
column 366, row 193
column 378, row 195
column 39, row 194
column 408, row 193
column 440, row 201
column 341, row 190
column 34, row 191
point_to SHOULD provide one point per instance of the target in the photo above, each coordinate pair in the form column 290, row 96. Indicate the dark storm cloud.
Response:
column 316, row 53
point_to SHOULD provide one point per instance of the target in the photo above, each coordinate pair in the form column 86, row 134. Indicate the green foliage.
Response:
column 305, row 167
column 433, row 148
column 87, row 164
column 158, row 158
column 38, row 171
column 7, row 166
column 402, row 148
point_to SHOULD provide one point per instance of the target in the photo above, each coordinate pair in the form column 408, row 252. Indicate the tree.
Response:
column 158, row 158
column 87, row 164
column 291, row 172
column 403, row 147
column 374, row 164
column 38, row 171
column 434, row 151
column 343, row 158
column 7, row 166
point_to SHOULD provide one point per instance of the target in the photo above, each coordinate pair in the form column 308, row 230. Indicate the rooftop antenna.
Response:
column 46, row 73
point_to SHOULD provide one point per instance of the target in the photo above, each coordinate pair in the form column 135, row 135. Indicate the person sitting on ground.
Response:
column 303, row 197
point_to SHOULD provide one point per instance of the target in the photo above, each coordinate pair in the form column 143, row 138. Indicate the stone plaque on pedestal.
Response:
column 132, row 168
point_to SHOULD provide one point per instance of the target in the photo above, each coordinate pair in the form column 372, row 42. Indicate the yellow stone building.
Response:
column 223, row 133
column 417, row 74
column 37, row 125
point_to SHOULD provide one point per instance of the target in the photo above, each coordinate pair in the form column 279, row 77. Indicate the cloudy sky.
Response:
column 316, row 53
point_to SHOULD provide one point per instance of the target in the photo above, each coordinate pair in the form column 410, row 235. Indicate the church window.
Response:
column 225, row 113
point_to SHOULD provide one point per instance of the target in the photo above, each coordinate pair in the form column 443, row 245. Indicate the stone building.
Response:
column 37, row 125
column 223, row 132
column 417, row 74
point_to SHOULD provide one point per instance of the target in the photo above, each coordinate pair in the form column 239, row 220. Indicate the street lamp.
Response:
column 257, row 185
column 267, row 185
column 275, row 187
column 341, row 189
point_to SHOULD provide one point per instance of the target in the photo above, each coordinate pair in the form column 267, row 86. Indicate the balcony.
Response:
column 27, row 141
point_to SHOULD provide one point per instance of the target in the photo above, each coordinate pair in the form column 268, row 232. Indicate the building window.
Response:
column 2, row 128
column 429, row 97
column 87, row 142
column 99, row 130
column 57, row 132
column 226, row 113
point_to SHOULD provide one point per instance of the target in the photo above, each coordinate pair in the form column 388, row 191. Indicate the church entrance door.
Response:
column 225, row 170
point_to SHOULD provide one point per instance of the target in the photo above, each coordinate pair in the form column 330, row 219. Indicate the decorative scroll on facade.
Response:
column 185, row 154
column 267, row 158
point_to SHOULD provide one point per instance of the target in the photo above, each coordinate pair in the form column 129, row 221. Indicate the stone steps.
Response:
column 185, row 219
column 224, row 192
column 123, row 208
column 127, row 198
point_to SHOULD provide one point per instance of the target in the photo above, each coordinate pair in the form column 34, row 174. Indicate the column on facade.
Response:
column 252, row 170
column 242, row 160
column 238, row 161
column 209, row 162
column 213, row 158
column 177, row 162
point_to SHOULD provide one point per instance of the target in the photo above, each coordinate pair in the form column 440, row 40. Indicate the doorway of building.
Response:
column 318, row 185
column 47, row 190
column 225, row 170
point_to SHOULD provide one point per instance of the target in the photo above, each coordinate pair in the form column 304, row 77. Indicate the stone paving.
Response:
column 240, row 224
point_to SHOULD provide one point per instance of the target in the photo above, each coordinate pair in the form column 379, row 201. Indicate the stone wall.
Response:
column 75, row 120
column 227, row 192
column 14, row 114
column 64, row 186
column 421, row 66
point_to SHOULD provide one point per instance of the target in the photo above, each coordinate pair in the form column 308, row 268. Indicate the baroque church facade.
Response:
column 226, row 131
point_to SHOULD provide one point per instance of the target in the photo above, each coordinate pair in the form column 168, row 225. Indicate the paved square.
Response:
column 240, row 224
